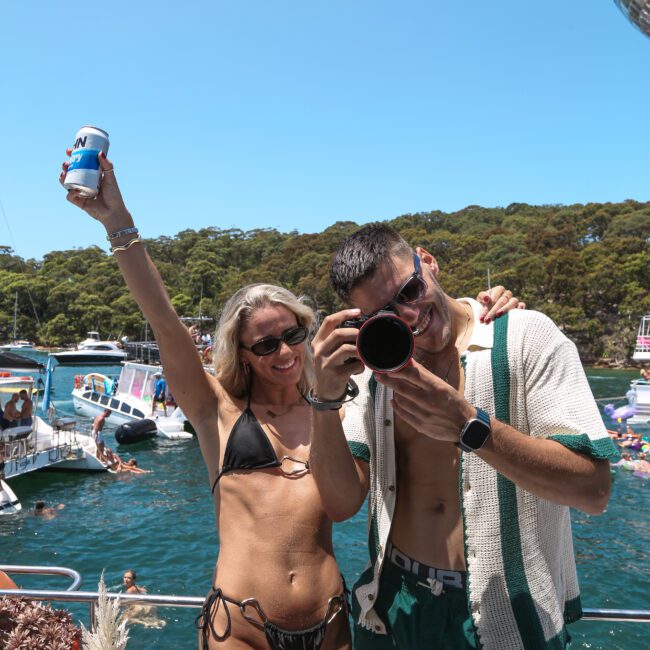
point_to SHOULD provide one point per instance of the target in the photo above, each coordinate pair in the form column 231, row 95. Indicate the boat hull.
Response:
column 9, row 504
column 88, row 358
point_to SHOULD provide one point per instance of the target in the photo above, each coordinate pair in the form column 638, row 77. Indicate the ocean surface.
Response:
column 162, row 525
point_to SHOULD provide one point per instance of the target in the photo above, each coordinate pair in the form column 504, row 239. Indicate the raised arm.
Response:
column 194, row 391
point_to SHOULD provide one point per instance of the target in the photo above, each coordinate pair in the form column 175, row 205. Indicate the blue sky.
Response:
column 296, row 115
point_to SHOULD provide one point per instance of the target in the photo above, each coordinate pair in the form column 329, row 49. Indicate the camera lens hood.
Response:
column 385, row 342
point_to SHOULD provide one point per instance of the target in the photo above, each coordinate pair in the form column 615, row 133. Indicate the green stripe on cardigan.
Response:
column 523, row 606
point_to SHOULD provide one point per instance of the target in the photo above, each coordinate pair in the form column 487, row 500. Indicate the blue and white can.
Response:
column 84, row 172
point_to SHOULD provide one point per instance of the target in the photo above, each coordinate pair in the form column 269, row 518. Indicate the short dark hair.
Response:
column 359, row 255
column 40, row 505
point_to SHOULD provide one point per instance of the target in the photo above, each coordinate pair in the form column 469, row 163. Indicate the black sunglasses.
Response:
column 411, row 291
column 269, row 344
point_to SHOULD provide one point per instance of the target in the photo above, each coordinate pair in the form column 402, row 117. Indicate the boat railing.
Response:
column 643, row 343
column 144, row 352
column 71, row 595
column 45, row 570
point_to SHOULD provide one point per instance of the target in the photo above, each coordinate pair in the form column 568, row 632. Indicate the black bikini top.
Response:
column 248, row 447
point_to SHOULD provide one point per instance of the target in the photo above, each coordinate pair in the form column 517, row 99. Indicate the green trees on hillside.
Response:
column 586, row 266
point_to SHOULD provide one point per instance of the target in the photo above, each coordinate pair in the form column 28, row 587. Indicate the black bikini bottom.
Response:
column 278, row 638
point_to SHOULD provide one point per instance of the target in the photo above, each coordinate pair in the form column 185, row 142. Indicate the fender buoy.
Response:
column 136, row 431
column 78, row 381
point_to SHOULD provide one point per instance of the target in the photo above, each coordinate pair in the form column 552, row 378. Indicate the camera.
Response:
column 385, row 343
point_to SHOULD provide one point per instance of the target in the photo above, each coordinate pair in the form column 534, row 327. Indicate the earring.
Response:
column 246, row 367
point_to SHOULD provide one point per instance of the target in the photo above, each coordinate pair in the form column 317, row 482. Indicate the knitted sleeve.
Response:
column 559, row 401
column 358, row 422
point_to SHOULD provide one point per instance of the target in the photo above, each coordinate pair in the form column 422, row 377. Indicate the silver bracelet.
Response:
column 135, row 240
column 119, row 233
column 351, row 391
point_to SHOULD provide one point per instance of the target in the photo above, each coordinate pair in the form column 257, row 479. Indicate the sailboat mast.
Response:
column 15, row 314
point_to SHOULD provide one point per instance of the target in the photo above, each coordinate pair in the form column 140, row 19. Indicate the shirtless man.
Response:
column 12, row 413
column 26, row 419
column 98, row 435
column 41, row 510
column 472, row 455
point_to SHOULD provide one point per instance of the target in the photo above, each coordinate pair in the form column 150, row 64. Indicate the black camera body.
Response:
column 385, row 343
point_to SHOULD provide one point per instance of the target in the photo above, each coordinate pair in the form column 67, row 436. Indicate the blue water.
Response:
column 162, row 525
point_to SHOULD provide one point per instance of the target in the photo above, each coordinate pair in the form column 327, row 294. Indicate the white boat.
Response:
column 17, row 345
column 92, row 351
column 639, row 397
column 639, row 393
column 9, row 504
column 40, row 446
column 128, row 398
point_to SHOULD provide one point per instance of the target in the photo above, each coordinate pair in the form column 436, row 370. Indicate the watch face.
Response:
column 475, row 434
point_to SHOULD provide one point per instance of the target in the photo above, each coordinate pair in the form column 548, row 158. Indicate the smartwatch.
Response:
column 475, row 431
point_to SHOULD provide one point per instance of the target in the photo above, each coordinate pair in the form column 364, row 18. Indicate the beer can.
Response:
column 84, row 172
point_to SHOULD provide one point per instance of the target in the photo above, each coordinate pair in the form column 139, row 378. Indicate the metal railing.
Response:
column 45, row 570
column 91, row 597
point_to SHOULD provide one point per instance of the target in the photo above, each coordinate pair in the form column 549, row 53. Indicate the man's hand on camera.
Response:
column 427, row 403
column 335, row 356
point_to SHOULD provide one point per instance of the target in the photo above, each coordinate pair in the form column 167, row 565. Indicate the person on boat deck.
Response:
column 159, row 394
column 26, row 419
column 98, row 433
column 195, row 333
column 11, row 416
column 645, row 375
column 472, row 455
column 252, row 423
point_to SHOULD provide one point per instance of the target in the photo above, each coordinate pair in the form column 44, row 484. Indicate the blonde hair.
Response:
column 228, row 368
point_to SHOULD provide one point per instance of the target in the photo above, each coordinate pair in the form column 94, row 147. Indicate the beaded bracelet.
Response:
column 117, row 249
column 119, row 233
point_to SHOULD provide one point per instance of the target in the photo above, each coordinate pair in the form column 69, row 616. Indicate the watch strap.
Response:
column 483, row 416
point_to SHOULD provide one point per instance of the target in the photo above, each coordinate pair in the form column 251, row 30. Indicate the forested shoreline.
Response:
column 585, row 266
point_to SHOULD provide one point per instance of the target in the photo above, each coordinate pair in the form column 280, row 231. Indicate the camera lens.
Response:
column 385, row 343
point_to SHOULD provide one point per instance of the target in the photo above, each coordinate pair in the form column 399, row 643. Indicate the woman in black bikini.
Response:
column 276, row 584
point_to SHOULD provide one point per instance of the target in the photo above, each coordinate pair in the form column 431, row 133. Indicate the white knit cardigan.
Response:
column 522, row 578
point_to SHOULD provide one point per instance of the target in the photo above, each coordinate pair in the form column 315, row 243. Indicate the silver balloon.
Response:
column 637, row 12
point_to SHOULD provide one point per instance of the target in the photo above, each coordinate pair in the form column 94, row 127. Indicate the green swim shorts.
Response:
column 415, row 619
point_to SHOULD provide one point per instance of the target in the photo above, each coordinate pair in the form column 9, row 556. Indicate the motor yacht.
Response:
column 92, row 351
